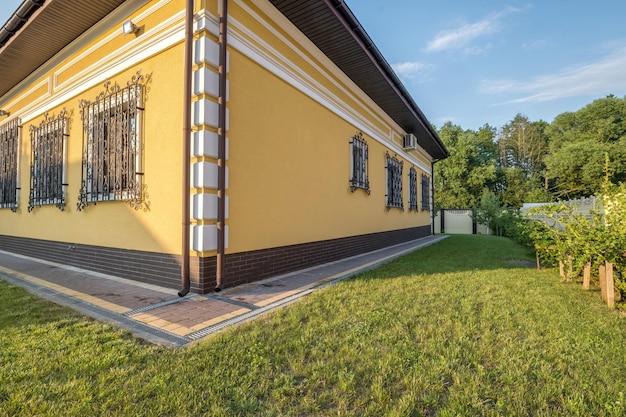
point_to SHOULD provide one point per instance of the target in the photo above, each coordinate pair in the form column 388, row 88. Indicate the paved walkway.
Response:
column 158, row 315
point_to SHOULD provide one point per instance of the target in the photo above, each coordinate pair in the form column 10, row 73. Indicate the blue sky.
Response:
column 484, row 61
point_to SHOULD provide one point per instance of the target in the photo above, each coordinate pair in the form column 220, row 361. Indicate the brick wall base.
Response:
column 239, row 268
column 151, row 267
column 244, row 267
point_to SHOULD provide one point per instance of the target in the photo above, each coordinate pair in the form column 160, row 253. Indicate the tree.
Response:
column 579, row 142
column 522, row 148
column 534, row 161
column 523, row 144
column 461, row 179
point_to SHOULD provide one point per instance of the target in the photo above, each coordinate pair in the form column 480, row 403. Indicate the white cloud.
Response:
column 531, row 46
column 604, row 76
column 413, row 71
column 461, row 37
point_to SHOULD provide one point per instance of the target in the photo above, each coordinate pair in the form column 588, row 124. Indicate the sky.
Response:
column 484, row 61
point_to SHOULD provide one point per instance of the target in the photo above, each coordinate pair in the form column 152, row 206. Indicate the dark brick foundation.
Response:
column 239, row 268
column 151, row 267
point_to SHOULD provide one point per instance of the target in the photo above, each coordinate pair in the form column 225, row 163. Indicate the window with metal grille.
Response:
column 48, row 162
column 394, row 182
column 112, row 142
column 425, row 192
column 358, row 155
column 9, row 164
column 412, row 189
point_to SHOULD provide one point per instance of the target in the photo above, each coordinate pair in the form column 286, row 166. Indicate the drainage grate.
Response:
column 157, row 305
column 231, row 301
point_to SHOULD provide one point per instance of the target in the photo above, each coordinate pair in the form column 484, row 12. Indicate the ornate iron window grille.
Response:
column 48, row 175
column 425, row 192
column 394, row 182
column 112, row 145
column 412, row 189
column 359, row 156
column 9, row 164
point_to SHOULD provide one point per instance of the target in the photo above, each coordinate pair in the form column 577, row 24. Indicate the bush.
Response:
column 561, row 233
column 503, row 221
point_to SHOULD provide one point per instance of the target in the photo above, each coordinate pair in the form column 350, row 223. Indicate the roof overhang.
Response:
column 39, row 29
column 334, row 29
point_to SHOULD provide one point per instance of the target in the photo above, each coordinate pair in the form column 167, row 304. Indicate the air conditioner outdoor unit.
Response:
column 409, row 142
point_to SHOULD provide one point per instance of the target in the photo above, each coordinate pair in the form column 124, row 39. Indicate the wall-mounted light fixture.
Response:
column 129, row 27
column 4, row 113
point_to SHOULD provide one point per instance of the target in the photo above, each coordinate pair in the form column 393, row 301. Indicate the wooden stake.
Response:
column 537, row 256
column 602, row 271
column 570, row 268
column 610, row 291
column 587, row 276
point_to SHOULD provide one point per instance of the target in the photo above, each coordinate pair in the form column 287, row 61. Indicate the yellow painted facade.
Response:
column 290, row 155
column 291, row 116
column 110, row 224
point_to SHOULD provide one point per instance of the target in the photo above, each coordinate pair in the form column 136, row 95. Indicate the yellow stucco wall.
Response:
column 112, row 224
column 290, row 167
column 289, row 156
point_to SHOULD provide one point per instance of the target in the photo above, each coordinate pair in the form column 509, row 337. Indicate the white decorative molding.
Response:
column 205, row 175
column 204, row 238
column 250, row 45
column 207, row 21
column 157, row 39
column 33, row 104
column 206, row 51
column 75, row 59
column 205, row 112
column 206, row 81
column 105, row 69
column 205, row 143
column 204, row 207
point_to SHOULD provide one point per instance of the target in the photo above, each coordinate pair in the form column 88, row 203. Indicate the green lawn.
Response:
column 457, row 329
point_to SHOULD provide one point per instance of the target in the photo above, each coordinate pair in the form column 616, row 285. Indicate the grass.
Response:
column 458, row 328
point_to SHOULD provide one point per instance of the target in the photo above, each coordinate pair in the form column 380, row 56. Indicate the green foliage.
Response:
column 502, row 220
column 579, row 142
column 561, row 233
column 488, row 211
column 522, row 147
column 461, row 179
column 522, row 144
column 564, row 232
column 534, row 161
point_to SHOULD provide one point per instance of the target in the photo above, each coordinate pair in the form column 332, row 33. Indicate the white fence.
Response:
column 458, row 221
column 583, row 206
